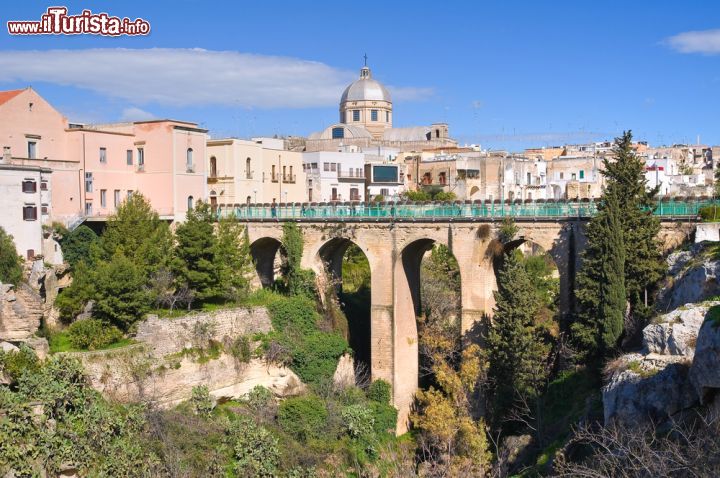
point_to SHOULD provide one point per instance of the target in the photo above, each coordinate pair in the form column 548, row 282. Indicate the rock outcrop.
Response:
column 172, row 356
column 20, row 312
column 345, row 372
column 705, row 370
column 694, row 273
column 678, row 366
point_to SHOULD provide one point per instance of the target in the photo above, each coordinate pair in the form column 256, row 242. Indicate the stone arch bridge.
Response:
column 394, row 250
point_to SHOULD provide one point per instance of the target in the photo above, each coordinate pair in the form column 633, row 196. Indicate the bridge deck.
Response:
column 431, row 212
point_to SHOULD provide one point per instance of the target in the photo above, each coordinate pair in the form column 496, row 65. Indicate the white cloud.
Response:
column 188, row 77
column 704, row 41
column 136, row 114
column 409, row 93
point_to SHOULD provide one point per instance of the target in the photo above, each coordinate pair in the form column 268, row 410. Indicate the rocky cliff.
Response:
column 678, row 367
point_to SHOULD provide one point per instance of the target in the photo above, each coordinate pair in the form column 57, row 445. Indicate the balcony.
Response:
column 140, row 168
column 249, row 174
column 351, row 174
column 274, row 177
column 190, row 168
column 289, row 178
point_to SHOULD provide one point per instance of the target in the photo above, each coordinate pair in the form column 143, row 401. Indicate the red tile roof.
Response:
column 6, row 96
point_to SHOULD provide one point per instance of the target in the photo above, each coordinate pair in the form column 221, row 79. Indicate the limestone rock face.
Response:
column 635, row 395
column 345, row 372
column 133, row 374
column 20, row 312
column 705, row 370
column 675, row 333
column 695, row 274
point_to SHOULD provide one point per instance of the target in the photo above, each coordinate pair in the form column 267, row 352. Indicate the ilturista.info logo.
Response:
column 56, row 21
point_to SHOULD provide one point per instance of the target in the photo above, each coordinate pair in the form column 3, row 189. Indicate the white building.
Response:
column 334, row 176
column 25, row 201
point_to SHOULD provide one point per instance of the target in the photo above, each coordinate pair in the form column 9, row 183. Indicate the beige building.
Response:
column 254, row 171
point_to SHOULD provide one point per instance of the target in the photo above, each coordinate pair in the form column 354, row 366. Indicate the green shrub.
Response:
column 92, row 334
column 13, row 364
column 303, row 417
column 200, row 401
column 315, row 358
column 379, row 391
column 297, row 313
column 260, row 399
column 10, row 261
column 77, row 245
column 240, row 349
column 385, row 417
column 358, row 420
column 710, row 213
column 255, row 450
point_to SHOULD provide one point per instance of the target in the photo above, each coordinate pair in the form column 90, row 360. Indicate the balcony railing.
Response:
column 288, row 178
column 351, row 174
column 190, row 168
column 140, row 168
column 249, row 174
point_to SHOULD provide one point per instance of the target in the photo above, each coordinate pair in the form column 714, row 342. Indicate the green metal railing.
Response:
column 667, row 208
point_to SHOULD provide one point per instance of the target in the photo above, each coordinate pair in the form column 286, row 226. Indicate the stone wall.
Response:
column 166, row 336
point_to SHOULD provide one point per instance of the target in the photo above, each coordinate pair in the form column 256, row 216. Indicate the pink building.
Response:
column 95, row 167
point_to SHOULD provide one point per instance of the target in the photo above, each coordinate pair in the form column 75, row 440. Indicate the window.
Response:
column 29, row 186
column 561, row 175
column 582, row 174
column 129, row 194
column 116, row 198
column 32, row 149
column 437, row 133
column 326, row 166
column 44, row 209
column 573, row 177
column 334, row 194
column 529, row 178
column 384, row 192
column 43, row 185
column 338, row 133
column 354, row 194
column 190, row 202
column 189, row 159
column 88, row 182
column 373, row 115
column 103, row 155
column 387, row 116
column 248, row 171
column 88, row 208
column 141, row 157
column 333, row 167
column 213, row 167
column 356, row 115
column 272, row 172
column 103, row 198
column 30, row 212
column 129, row 157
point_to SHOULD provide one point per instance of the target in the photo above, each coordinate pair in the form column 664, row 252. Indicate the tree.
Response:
column 78, row 244
column 298, row 281
column 517, row 346
column 120, row 294
column 10, row 261
column 233, row 260
column 194, row 264
column 626, row 192
column 601, row 283
column 72, row 300
column 137, row 232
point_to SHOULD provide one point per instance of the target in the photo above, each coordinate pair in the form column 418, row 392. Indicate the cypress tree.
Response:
column 516, row 345
column 233, row 260
column 624, row 231
column 194, row 264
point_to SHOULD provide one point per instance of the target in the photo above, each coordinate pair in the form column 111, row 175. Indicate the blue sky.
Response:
column 509, row 74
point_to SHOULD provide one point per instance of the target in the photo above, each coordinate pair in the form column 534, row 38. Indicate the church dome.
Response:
column 365, row 88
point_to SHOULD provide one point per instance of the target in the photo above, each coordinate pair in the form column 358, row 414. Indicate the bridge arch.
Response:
column 264, row 252
column 407, row 300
